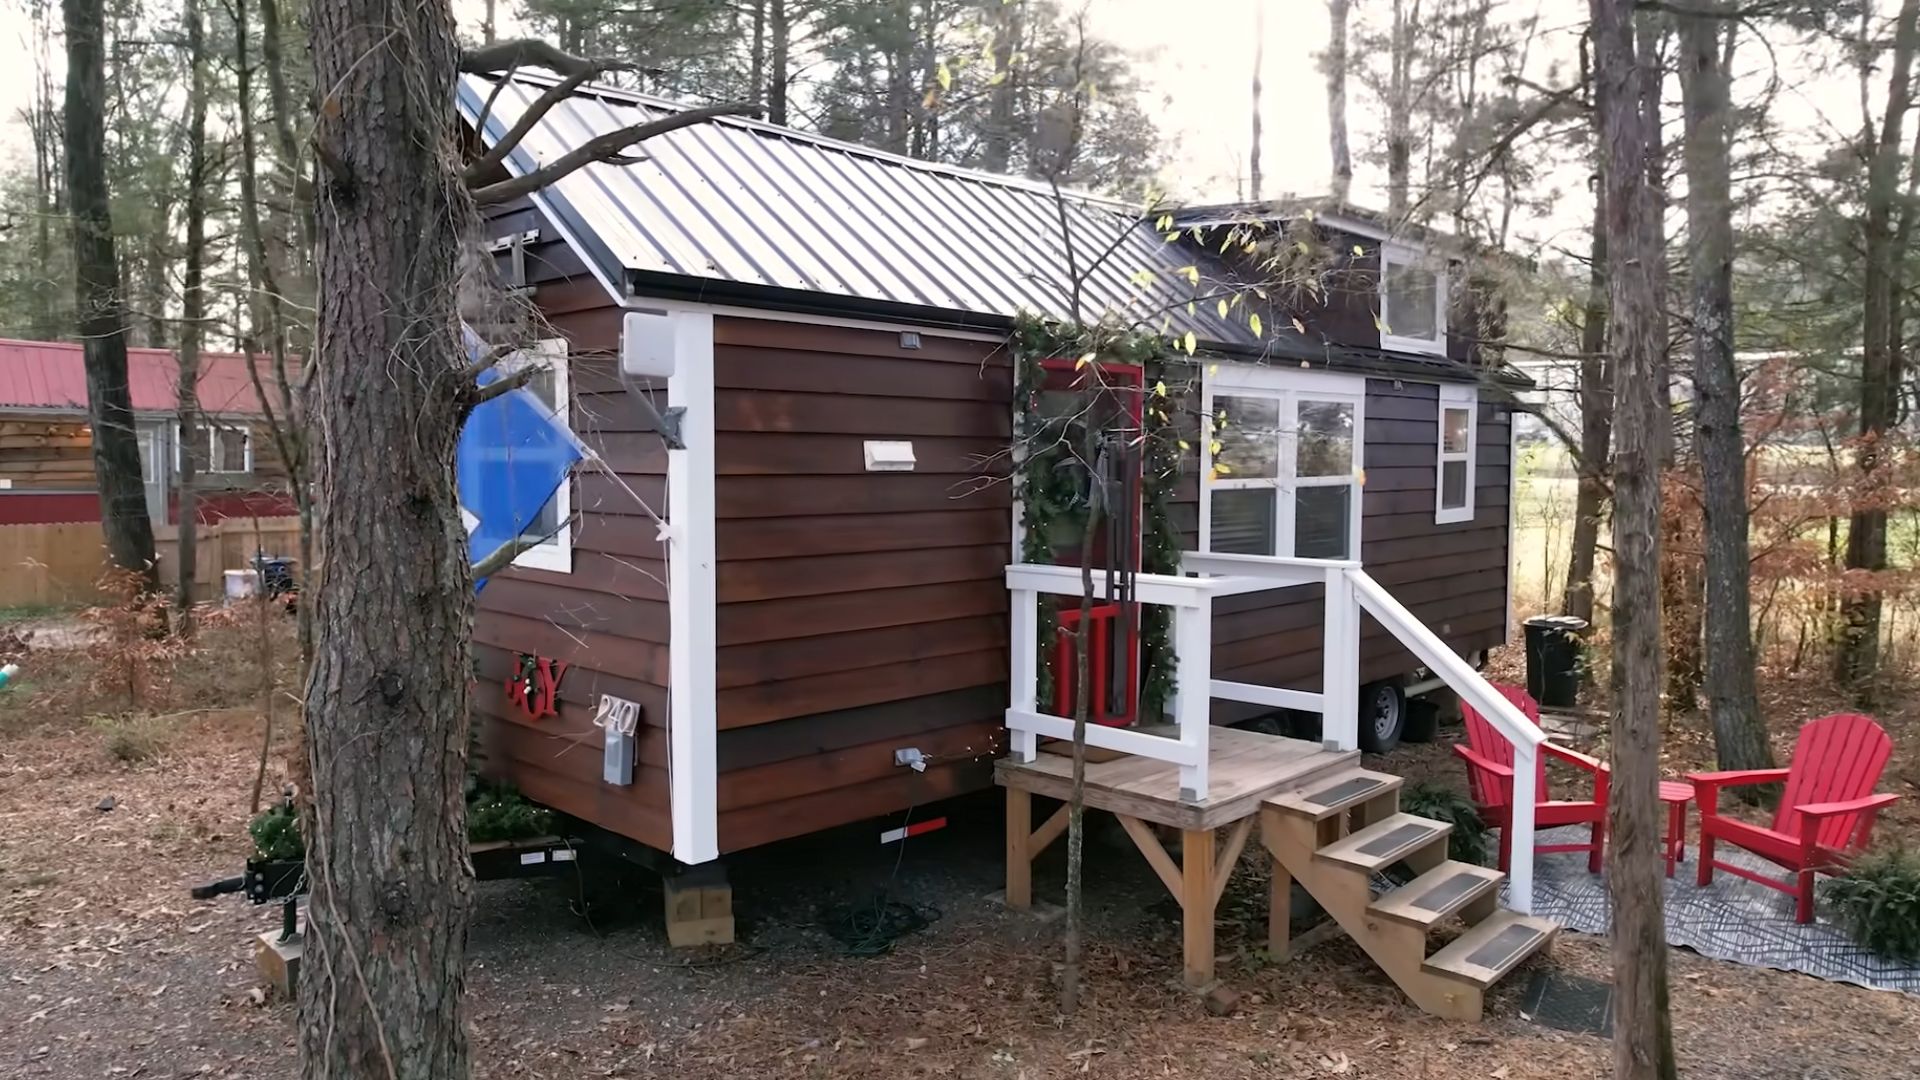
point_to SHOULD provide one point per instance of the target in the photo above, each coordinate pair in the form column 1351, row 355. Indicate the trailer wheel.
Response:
column 1383, row 716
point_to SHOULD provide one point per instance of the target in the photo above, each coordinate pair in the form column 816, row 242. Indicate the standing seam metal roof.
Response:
column 742, row 201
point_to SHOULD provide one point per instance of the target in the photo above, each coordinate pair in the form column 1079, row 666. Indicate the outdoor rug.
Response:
column 1732, row 919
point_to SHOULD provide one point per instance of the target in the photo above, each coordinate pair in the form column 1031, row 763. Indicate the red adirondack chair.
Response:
column 1489, row 758
column 1825, row 816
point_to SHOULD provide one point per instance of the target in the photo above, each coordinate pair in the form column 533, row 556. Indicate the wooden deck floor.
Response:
column 1244, row 768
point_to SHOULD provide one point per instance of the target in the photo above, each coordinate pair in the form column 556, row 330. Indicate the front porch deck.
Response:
column 1244, row 768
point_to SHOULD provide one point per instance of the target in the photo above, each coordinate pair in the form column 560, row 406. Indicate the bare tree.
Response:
column 192, row 310
column 100, row 303
column 1259, row 55
column 1401, row 44
column 1595, row 393
column 1334, row 63
column 1643, row 1027
column 1739, row 731
column 1857, row 658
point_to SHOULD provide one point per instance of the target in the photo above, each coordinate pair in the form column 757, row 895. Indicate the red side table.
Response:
column 1676, row 795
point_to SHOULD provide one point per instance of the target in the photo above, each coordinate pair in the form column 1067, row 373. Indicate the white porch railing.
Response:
column 1349, row 591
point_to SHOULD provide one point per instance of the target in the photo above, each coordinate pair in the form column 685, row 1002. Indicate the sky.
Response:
column 1197, row 59
column 1200, row 69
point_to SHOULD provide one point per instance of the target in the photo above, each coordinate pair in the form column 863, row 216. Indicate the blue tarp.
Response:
column 514, row 454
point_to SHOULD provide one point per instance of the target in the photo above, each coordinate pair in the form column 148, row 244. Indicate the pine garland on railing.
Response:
column 1052, row 491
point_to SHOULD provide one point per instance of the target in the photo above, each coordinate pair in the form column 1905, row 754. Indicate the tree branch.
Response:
column 522, row 52
column 602, row 147
column 476, row 396
column 502, row 557
column 553, row 95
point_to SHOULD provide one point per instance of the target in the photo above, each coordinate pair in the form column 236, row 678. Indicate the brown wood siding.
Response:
column 859, row 612
column 47, row 452
column 54, row 452
column 1453, row 577
column 607, row 618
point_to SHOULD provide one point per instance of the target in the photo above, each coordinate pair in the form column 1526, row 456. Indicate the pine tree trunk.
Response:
column 1596, row 426
column 1399, row 106
column 192, row 311
column 996, row 142
column 1733, row 705
column 1259, row 57
column 100, row 306
column 777, row 60
column 382, row 985
column 1857, row 659
column 757, row 53
column 1682, row 587
column 1335, row 65
column 1643, row 1026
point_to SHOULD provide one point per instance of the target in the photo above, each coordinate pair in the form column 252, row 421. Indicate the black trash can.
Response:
column 1553, row 659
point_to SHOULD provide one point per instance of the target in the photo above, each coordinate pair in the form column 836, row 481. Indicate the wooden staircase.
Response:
column 1335, row 833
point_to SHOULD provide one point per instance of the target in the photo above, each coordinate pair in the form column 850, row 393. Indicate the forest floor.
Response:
column 108, row 969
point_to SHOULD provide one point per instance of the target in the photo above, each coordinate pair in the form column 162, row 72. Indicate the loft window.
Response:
column 1282, row 465
column 1453, row 482
column 1413, row 302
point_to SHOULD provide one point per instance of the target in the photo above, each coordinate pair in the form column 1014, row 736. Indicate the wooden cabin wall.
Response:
column 859, row 612
column 607, row 619
column 1453, row 577
column 54, row 452
column 46, row 452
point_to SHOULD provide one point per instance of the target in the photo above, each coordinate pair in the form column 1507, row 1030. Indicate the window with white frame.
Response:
column 553, row 525
column 1282, row 463
column 1413, row 301
column 1453, row 484
column 218, row 447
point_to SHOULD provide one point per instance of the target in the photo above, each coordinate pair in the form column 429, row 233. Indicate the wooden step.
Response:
column 1382, row 844
column 1328, row 795
column 1438, row 893
column 1488, row 951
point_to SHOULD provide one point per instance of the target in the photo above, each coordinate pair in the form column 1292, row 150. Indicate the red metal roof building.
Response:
column 46, row 440
column 50, row 376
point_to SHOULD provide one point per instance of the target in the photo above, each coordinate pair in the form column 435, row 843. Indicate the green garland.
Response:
column 1052, row 499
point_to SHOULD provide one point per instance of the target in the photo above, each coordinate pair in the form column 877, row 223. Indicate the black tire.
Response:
column 1383, row 716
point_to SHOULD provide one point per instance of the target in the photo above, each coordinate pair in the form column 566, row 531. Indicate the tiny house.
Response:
column 799, row 618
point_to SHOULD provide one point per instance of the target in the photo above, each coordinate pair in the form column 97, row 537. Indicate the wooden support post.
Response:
column 1019, row 854
column 1196, row 904
column 1279, row 910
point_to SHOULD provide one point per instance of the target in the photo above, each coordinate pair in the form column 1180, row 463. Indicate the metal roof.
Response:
column 753, row 203
column 51, row 376
column 741, row 207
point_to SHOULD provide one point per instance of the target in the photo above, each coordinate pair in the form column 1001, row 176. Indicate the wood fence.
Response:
column 51, row 565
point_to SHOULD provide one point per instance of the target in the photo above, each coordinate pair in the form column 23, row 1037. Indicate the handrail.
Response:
column 1524, row 736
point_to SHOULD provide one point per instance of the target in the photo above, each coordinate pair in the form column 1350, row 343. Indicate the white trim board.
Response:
column 692, row 598
column 641, row 302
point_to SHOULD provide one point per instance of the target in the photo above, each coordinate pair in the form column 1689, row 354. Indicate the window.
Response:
column 553, row 525
column 1413, row 302
column 219, row 447
column 1453, row 486
column 1282, row 463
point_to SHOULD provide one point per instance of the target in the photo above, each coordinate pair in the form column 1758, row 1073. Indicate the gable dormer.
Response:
column 1352, row 282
